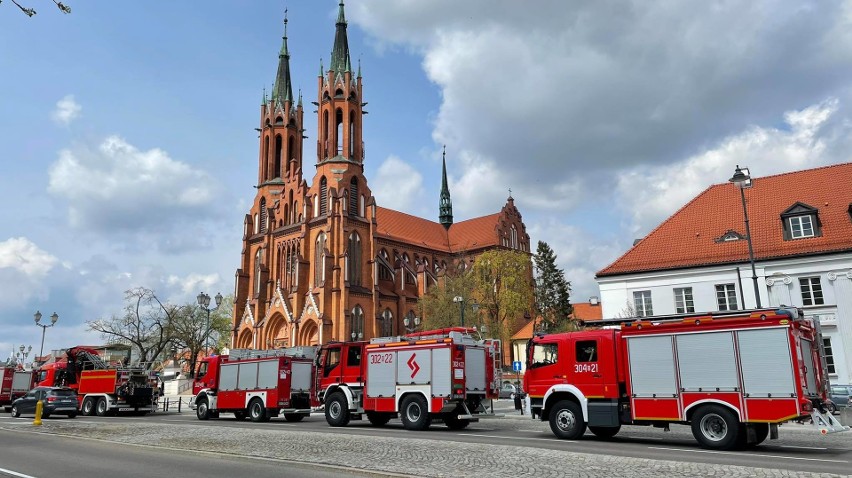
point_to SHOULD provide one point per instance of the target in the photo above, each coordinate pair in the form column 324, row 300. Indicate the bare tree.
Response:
column 146, row 325
column 190, row 334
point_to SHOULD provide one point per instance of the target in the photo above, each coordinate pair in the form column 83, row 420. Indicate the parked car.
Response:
column 57, row 401
column 841, row 395
column 508, row 390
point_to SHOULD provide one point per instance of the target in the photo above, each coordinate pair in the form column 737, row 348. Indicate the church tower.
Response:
column 445, row 208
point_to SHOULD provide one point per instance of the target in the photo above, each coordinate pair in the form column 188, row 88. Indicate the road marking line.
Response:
column 516, row 438
column 804, row 447
column 15, row 473
column 747, row 454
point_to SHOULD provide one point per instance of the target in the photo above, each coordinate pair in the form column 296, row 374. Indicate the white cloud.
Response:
column 650, row 194
column 118, row 188
column 193, row 283
column 67, row 110
column 399, row 186
column 23, row 269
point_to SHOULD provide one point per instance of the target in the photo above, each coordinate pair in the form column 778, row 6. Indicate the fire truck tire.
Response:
column 241, row 415
column 101, row 407
column 202, row 409
column 453, row 422
column 293, row 417
column 15, row 412
column 716, row 427
column 88, row 408
column 605, row 432
column 761, row 431
column 566, row 420
column 378, row 419
column 257, row 412
column 415, row 413
column 337, row 410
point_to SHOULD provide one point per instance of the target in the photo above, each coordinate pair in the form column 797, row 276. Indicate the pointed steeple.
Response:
column 282, row 90
column 446, row 204
column 340, row 61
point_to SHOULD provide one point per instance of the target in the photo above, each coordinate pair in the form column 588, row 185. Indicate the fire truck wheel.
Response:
column 378, row 419
column 566, row 420
column 88, row 407
column 716, row 427
column 293, row 417
column 101, row 408
column 202, row 409
column 605, row 432
column 415, row 413
column 15, row 412
column 453, row 422
column 761, row 431
column 337, row 410
column 257, row 412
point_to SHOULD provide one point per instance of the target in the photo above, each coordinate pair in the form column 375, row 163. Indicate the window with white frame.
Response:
column 801, row 226
column 829, row 355
column 811, row 291
column 683, row 300
column 726, row 297
column 642, row 303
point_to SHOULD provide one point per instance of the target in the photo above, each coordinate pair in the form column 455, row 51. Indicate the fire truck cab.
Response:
column 733, row 377
column 442, row 374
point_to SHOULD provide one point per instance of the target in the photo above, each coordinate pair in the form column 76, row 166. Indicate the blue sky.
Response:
column 128, row 151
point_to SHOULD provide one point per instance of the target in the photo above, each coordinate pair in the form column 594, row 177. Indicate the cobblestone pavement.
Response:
column 408, row 457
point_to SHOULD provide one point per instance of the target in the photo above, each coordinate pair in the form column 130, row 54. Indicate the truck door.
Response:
column 592, row 368
column 331, row 371
column 543, row 368
column 351, row 372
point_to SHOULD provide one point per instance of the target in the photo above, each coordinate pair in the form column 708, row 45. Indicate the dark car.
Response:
column 57, row 401
column 841, row 395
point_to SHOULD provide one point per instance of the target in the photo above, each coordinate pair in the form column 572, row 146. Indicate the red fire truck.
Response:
column 13, row 384
column 441, row 374
column 102, row 389
column 732, row 376
column 256, row 383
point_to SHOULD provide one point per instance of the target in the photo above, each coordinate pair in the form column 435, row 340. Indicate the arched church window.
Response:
column 319, row 260
column 353, row 197
column 263, row 214
column 279, row 152
column 354, row 258
column 387, row 323
column 258, row 262
column 356, row 328
column 338, row 124
column 323, row 200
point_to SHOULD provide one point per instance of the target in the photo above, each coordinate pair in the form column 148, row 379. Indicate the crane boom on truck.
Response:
column 441, row 374
column 102, row 389
column 733, row 376
column 259, row 384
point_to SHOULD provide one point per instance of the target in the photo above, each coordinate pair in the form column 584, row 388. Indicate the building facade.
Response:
column 697, row 260
column 321, row 260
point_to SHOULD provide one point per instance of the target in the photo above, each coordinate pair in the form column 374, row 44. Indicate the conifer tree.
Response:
column 552, row 291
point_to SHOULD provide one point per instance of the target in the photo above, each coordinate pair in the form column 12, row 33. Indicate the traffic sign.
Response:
column 516, row 366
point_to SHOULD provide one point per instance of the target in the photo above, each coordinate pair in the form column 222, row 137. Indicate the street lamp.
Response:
column 53, row 319
column 411, row 323
column 204, row 302
column 461, row 302
column 742, row 180
column 23, row 354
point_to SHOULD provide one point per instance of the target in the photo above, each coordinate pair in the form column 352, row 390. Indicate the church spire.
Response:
column 340, row 61
column 283, row 90
column 446, row 205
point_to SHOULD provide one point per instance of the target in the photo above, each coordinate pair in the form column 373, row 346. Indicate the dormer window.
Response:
column 801, row 221
column 731, row 236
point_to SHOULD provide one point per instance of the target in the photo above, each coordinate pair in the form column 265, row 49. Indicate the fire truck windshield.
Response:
column 543, row 354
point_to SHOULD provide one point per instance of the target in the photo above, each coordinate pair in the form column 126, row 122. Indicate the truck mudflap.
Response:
column 826, row 423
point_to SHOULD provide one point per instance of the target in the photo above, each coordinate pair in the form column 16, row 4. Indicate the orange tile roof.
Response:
column 465, row 235
column 526, row 331
column 687, row 238
column 587, row 311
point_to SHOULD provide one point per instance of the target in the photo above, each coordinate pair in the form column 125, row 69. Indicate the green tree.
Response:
column 552, row 291
column 503, row 286
column 438, row 308
column 189, row 330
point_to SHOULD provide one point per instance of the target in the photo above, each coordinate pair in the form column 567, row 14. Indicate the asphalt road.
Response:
column 800, row 448
column 24, row 454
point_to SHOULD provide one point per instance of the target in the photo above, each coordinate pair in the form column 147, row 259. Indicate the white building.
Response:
column 697, row 260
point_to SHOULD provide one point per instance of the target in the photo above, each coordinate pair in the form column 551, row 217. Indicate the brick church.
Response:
column 321, row 259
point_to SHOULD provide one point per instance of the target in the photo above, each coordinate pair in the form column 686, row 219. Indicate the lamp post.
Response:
column 53, row 319
column 461, row 302
column 742, row 180
column 411, row 323
column 204, row 302
column 23, row 354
